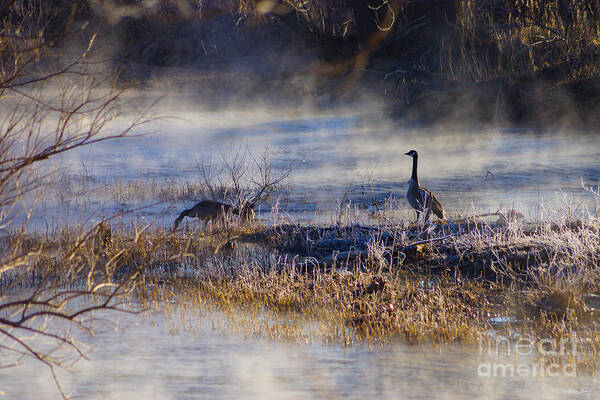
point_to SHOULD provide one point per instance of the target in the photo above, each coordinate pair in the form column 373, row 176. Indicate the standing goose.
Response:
column 420, row 198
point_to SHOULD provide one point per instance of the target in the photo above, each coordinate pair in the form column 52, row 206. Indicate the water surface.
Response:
column 161, row 357
column 349, row 159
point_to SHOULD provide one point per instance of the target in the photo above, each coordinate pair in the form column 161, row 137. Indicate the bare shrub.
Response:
column 243, row 178
column 53, row 99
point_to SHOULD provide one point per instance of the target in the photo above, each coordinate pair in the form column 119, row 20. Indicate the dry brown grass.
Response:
column 466, row 279
column 541, row 280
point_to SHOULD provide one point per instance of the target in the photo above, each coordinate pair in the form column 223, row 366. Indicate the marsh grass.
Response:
column 127, row 191
column 347, row 281
column 541, row 277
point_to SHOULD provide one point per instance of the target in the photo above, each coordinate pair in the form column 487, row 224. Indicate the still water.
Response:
column 351, row 159
column 156, row 356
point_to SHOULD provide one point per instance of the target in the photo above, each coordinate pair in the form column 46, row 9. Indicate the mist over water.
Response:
column 160, row 357
column 353, row 157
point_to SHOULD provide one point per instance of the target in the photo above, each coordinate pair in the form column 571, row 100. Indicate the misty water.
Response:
column 197, row 356
column 340, row 160
column 337, row 159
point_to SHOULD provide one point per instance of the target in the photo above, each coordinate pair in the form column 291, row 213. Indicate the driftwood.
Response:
column 350, row 255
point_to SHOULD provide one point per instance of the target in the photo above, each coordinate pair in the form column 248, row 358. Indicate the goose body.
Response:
column 211, row 209
column 420, row 198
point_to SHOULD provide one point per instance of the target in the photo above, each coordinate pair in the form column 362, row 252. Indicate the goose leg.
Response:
column 427, row 214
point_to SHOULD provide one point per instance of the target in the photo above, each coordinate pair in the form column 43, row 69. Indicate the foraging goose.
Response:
column 210, row 209
column 420, row 198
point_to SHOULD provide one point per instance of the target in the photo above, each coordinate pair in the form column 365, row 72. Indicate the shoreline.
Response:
column 452, row 284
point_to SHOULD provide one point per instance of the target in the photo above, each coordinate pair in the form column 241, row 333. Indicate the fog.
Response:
column 338, row 157
column 194, row 355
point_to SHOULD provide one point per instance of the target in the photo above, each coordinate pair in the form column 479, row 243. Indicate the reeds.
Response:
column 360, row 278
column 346, row 283
column 542, row 277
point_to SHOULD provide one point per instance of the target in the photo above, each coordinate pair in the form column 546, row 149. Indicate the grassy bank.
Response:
column 455, row 283
column 379, row 278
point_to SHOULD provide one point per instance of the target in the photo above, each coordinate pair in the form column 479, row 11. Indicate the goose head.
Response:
column 411, row 153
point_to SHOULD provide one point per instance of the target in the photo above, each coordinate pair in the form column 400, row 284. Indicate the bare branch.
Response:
column 50, row 105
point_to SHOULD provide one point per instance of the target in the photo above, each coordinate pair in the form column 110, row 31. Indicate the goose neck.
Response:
column 414, row 176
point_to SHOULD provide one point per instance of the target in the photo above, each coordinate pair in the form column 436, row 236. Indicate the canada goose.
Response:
column 211, row 209
column 420, row 198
